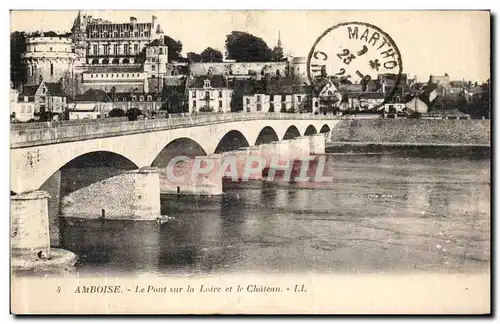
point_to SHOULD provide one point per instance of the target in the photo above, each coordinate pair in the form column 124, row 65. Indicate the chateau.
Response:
column 123, row 57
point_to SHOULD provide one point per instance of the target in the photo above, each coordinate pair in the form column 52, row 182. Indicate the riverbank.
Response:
column 411, row 132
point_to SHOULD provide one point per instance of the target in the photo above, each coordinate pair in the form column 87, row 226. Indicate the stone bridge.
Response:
column 43, row 157
column 39, row 152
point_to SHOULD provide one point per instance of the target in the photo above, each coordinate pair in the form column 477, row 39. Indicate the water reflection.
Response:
column 380, row 213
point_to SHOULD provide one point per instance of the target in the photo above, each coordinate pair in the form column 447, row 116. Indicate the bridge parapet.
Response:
column 26, row 137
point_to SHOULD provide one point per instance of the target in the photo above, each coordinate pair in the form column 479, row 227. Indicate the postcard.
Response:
column 250, row 162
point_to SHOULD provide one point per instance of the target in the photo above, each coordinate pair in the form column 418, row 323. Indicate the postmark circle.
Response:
column 355, row 53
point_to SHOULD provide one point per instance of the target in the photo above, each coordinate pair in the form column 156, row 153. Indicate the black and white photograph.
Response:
column 154, row 153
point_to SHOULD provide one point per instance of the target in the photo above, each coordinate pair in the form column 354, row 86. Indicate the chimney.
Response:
column 133, row 21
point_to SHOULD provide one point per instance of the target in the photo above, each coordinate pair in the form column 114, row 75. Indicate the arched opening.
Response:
column 126, row 61
column 95, row 61
column 90, row 168
column 310, row 130
column 115, row 61
column 105, row 61
column 231, row 141
column 179, row 147
column 266, row 135
column 325, row 129
column 291, row 132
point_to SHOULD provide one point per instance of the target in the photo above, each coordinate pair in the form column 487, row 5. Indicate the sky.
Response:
column 430, row 42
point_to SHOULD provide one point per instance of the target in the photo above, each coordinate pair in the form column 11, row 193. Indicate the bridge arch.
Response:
column 325, row 129
column 182, row 146
column 90, row 168
column 48, row 168
column 310, row 130
column 232, row 140
column 266, row 135
column 291, row 132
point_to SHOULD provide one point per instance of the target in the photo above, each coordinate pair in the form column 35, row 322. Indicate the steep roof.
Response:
column 216, row 81
column 94, row 95
column 55, row 89
column 29, row 90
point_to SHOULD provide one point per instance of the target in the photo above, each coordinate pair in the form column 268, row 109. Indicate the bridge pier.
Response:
column 30, row 238
column 133, row 195
column 317, row 144
column 299, row 148
column 197, row 176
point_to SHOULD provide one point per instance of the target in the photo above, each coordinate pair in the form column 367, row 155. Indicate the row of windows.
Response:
column 25, row 109
column 283, row 98
column 117, row 34
column 141, row 98
column 127, row 75
column 106, row 49
column 207, row 94
column 194, row 103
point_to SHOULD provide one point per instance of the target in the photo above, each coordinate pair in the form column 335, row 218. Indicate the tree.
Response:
column 193, row 57
column 244, row 47
column 133, row 113
column 211, row 55
column 174, row 48
column 277, row 54
column 116, row 112
column 17, row 48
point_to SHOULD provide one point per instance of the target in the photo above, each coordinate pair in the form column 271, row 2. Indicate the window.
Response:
column 220, row 103
column 259, row 107
column 194, row 103
column 136, row 34
column 116, row 49
column 298, row 98
column 134, row 98
column 136, row 48
column 283, row 97
column 141, row 98
column 161, row 51
column 207, row 94
column 258, row 98
column 271, row 107
column 278, row 72
column 248, row 101
column 106, row 49
column 50, row 49
column 126, row 50
column 194, row 94
column 206, row 84
column 153, row 67
column 329, row 92
column 51, row 69
column 220, row 93
column 95, row 50
column 149, row 98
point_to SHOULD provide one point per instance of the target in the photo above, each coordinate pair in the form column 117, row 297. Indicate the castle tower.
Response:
column 48, row 58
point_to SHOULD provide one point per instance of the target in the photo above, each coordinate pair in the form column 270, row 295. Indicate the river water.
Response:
column 389, row 212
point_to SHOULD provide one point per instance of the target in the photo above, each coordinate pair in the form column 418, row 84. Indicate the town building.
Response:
column 22, row 109
column 146, row 102
column 91, row 104
column 276, row 94
column 210, row 93
column 48, row 97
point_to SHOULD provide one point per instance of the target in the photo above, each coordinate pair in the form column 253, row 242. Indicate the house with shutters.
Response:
column 209, row 93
